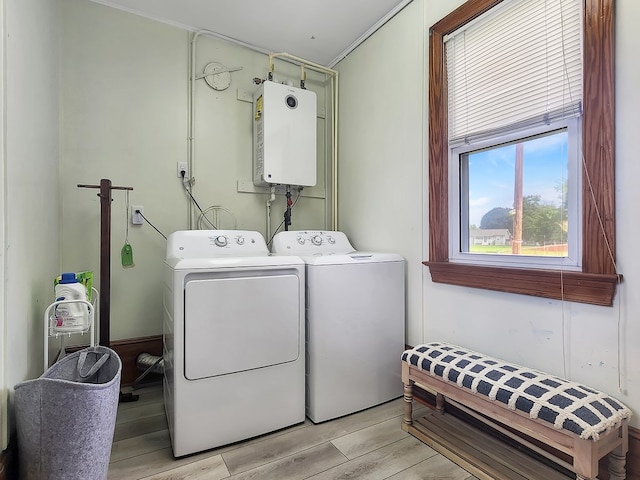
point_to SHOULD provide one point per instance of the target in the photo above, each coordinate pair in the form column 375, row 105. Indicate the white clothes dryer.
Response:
column 355, row 322
column 233, row 339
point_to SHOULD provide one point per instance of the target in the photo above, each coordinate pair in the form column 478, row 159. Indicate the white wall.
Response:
column 380, row 167
column 124, row 91
column 123, row 116
column 4, row 388
column 381, row 159
column 30, row 181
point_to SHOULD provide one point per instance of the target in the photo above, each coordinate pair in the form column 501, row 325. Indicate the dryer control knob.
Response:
column 240, row 240
column 316, row 240
column 301, row 240
column 331, row 240
column 221, row 241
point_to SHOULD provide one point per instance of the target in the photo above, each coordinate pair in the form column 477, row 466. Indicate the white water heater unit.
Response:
column 284, row 135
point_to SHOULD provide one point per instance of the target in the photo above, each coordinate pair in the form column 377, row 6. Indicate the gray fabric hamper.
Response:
column 66, row 418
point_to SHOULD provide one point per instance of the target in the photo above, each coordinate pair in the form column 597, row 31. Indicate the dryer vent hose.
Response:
column 152, row 363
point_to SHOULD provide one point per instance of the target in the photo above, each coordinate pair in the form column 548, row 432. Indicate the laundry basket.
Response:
column 66, row 418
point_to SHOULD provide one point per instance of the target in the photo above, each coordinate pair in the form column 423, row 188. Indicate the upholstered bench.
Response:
column 573, row 419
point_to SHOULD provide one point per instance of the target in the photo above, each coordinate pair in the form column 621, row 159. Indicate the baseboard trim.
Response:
column 128, row 351
column 633, row 456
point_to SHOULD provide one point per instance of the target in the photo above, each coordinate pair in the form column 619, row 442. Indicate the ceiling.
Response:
column 323, row 31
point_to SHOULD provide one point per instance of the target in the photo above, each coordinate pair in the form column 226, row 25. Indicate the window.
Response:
column 467, row 135
column 522, row 194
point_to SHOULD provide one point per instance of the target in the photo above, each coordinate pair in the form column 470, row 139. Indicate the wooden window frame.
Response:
column 596, row 283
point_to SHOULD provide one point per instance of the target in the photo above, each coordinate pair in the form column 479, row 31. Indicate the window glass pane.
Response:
column 514, row 198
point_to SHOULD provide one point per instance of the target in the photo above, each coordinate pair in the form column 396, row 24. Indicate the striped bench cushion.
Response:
column 564, row 404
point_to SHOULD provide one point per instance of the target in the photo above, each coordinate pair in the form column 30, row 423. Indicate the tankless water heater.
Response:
column 284, row 135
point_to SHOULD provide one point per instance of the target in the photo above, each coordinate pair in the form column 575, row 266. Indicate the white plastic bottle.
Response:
column 70, row 317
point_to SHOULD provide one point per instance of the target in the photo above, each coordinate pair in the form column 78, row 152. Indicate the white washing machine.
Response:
column 355, row 322
column 233, row 339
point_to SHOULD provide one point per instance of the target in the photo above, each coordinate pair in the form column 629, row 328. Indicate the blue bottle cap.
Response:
column 68, row 277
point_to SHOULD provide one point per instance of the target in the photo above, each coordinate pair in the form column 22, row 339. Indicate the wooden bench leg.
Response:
column 440, row 403
column 617, row 464
column 585, row 459
column 408, row 404
column 407, row 419
column 618, row 456
column 582, row 477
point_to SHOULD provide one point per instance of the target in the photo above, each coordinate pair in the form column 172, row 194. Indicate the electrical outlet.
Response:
column 136, row 218
column 183, row 167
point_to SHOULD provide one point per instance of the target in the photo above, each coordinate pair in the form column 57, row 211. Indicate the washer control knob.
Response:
column 221, row 241
column 331, row 240
column 316, row 240
column 240, row 240
column 301, row 240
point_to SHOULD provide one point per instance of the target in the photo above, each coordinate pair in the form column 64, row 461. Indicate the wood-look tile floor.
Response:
column 366, row 445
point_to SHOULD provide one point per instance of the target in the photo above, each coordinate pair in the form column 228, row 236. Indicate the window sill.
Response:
column 591, row 288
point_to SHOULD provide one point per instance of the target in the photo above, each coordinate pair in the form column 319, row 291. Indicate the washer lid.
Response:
column 353, row 258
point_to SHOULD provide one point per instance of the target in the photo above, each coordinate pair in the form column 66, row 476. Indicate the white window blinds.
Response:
column 516, row 66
